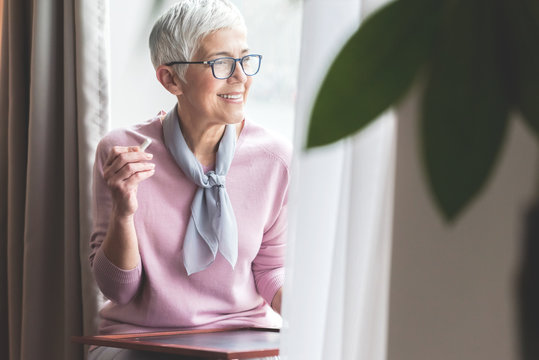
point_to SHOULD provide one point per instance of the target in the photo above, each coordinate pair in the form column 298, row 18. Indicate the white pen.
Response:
column 145, row 144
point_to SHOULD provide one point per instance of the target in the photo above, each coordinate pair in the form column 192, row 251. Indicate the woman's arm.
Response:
column 123, row 170
column 115, row 258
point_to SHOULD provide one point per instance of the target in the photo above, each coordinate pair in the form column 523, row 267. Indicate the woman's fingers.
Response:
column 131, row 169
column 137, row 177
column 119, row 156
column 130, row 175
column 125, row 167
column 127, row 187
column 115, row 152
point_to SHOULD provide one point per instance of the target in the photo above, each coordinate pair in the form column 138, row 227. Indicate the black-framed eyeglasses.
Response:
column 223, row 68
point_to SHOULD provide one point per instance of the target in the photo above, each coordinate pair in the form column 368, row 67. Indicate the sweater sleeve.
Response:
column 116, row 284
column 268, row 265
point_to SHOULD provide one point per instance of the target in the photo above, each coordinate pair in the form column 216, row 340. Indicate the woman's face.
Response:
column 212, row 100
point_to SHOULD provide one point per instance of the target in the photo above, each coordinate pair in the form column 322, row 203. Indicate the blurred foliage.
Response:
column 479, row 60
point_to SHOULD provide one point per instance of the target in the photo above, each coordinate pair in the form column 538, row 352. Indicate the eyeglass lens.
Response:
column 223, row 68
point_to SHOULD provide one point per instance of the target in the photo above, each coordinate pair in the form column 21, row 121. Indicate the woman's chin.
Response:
column 236, row 118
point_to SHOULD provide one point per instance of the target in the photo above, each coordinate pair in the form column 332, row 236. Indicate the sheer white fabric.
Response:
column 336, row 291
column 94, row 122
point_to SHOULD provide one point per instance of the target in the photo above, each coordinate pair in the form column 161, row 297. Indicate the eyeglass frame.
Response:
column 212, row 62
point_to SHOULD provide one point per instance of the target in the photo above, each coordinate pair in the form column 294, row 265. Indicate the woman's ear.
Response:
column 168, row 78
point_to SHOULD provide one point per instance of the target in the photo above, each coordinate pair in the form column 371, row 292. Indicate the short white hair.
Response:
column 176, row 35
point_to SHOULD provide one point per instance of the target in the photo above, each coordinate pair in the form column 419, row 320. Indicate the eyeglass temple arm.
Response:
column 187, row 62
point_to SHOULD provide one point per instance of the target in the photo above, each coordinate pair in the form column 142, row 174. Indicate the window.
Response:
column 136, row 95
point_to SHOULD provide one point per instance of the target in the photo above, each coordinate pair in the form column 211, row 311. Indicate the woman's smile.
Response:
column 234, row 97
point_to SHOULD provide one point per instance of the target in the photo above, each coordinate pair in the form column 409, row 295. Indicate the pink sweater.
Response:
column 158, row 294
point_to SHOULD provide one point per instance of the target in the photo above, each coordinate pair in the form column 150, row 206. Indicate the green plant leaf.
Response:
column 375, row 67
column 465, row 107
column 524, row 48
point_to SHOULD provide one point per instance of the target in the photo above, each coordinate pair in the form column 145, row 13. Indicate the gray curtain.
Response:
column 53, row 109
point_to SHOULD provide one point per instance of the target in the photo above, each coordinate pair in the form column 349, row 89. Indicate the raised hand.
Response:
column 124, row 169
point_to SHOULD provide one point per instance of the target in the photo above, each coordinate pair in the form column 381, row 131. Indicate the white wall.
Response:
column 453, row 287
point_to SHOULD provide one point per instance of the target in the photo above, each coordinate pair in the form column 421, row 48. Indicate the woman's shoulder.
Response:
column 261, row 140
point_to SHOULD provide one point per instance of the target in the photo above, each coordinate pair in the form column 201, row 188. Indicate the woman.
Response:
column 191, row 232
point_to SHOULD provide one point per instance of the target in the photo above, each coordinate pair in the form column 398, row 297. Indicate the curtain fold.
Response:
column 46, row 156
column 338, row 259
column 367, row 237
column 93, row 108
column 17, row 22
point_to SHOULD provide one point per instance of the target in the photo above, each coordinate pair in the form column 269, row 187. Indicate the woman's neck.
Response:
column 203, row 139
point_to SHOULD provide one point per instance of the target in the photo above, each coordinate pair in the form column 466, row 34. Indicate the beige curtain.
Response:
column 53, row 109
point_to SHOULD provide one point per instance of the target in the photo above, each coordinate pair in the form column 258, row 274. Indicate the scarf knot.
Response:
column 214, row 180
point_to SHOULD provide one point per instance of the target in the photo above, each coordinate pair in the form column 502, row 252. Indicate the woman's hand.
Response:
column 124, row 169
column 276, row 302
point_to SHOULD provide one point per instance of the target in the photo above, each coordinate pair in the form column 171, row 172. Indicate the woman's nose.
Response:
column 238, row 75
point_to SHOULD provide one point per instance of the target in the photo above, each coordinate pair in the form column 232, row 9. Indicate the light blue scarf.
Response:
column 212, row 226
